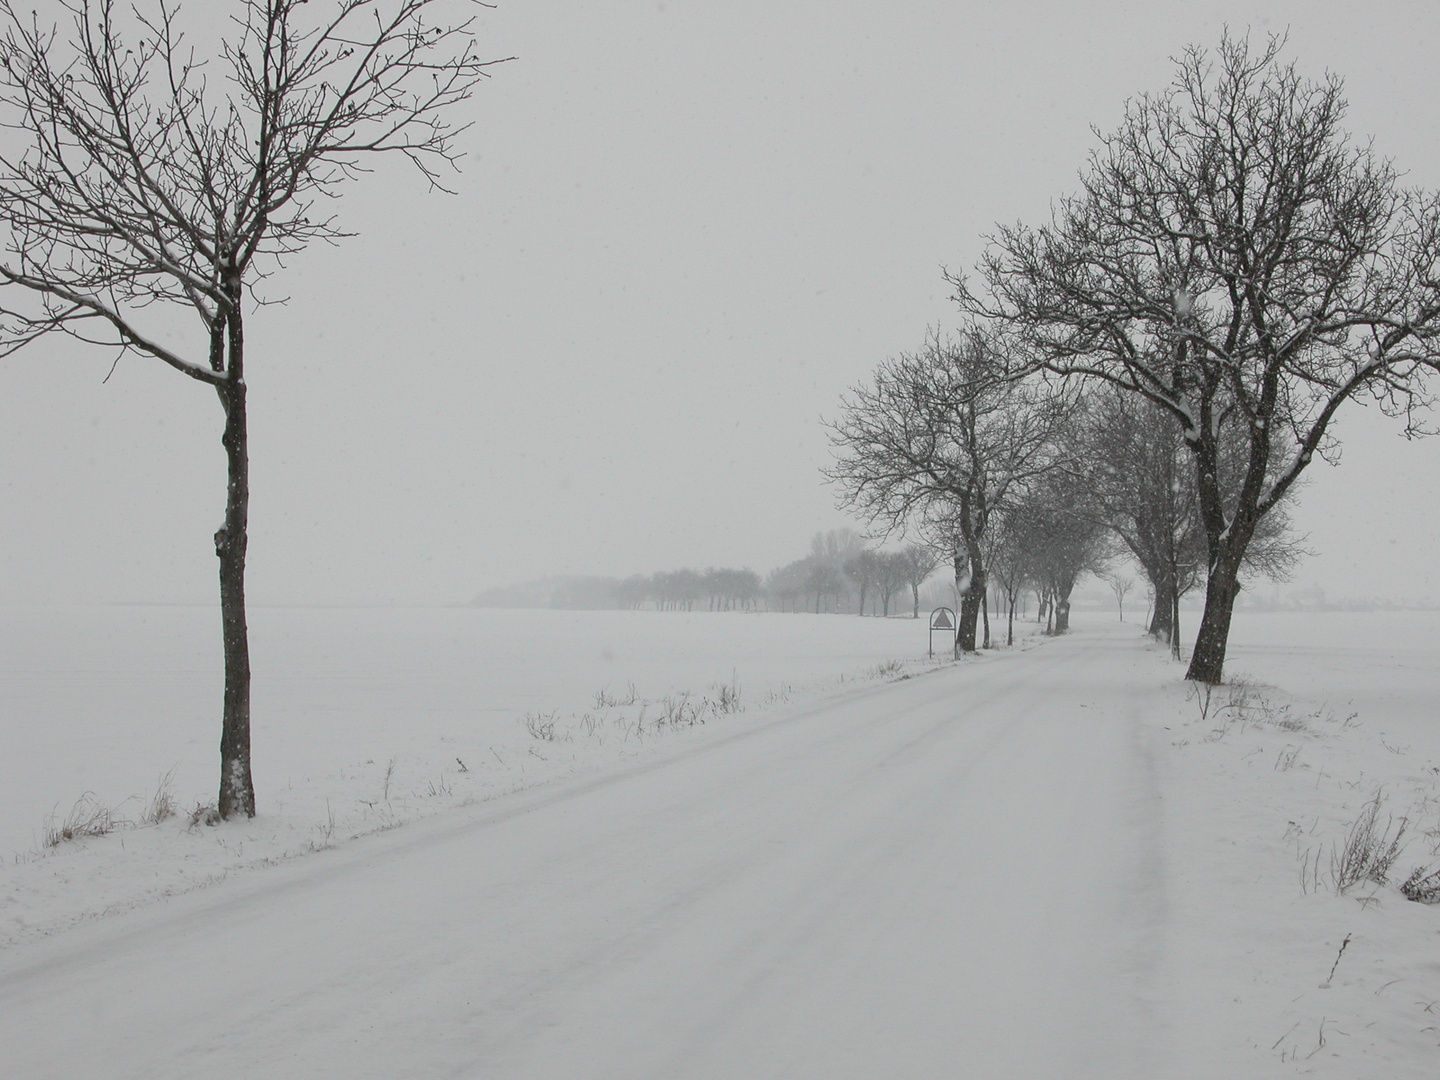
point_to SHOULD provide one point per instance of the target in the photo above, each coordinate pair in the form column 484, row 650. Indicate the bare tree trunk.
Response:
column 1161, row 621
column 237, row 788
column 985, row 613
column 970, row 600
column 1207, row 662
column 1175, row 624
column 1159, row 627
column 1227, row 541
column 969, row 620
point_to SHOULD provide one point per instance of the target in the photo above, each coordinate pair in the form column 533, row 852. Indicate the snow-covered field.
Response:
column 1056, row 861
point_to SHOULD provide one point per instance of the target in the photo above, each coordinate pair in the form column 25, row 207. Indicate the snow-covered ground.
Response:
column 1327, row 711
column 1056, row 861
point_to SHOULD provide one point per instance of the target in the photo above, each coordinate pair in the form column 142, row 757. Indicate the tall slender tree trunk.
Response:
column 237, row 788
column 1175, row 624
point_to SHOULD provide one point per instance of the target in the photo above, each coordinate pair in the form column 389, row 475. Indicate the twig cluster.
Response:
column 1370, row 848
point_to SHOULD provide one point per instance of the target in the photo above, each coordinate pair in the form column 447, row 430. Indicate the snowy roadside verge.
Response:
column 1284, row 956
column 78, row 880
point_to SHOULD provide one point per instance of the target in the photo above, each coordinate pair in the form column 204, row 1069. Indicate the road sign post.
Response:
column 942, row 619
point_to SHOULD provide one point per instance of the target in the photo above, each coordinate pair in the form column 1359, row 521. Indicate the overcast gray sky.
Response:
column 683, row 229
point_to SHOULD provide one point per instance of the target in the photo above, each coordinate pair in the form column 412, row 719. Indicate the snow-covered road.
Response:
column 955, row 875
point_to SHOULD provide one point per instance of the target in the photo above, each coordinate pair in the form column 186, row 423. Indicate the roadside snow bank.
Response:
column 365, row 720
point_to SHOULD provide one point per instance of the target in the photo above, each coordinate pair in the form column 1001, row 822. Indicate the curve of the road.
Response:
column 956, row 875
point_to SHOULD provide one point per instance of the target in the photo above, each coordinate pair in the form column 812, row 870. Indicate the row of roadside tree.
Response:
column 1162, row 360
column 1028, row 483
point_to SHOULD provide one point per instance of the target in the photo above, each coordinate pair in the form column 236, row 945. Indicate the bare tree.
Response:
column 1064, row 539
column 892, row 578
column 744, row 589
column 788, row 584
column 836, row 545
column 148, row 182
column 1133, row 467
column 918, row 562
column 941, row 437
column 834, row 548
column 727, row 589
column 1235, row 259
column 678, row 590
column 1120, row 584
column 1131, row 461
column 635, row 591
column 1011, row 558
column 864, row 570
column 824, row 579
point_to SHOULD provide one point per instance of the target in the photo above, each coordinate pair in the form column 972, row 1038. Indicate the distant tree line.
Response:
column 690, row 590
column 842, row 574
